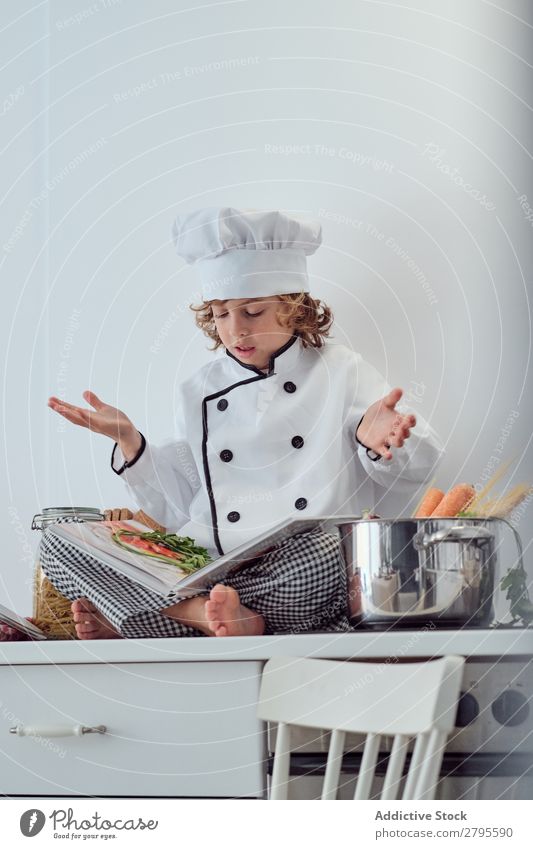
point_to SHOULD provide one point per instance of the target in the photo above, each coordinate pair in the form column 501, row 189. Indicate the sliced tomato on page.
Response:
column 170, row 548
column 147, row 547
column 138, row 542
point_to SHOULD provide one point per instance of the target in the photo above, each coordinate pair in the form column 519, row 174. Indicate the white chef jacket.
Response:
column 253, row 448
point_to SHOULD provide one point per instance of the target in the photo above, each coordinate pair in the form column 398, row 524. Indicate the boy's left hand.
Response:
column 383, row 427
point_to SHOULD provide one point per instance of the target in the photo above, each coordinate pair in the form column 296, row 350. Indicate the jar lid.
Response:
column 50, row 515
column 46, row 511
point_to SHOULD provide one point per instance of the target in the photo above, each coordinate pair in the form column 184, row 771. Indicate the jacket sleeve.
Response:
column 420, row 454
column 162, row 482
column 164, row 479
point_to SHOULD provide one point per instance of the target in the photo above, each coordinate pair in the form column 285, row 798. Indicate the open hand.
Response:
column 382, row 427
column 103, row 419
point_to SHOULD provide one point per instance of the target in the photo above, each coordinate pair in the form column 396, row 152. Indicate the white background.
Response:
column 118, row 115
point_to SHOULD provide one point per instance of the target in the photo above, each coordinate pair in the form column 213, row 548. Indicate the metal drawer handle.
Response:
column 56, row 730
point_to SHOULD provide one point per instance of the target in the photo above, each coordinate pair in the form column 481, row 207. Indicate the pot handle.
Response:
column 458, row 533
column 518, row 542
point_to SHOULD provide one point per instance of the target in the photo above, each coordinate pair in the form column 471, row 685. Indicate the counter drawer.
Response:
column 173, row 729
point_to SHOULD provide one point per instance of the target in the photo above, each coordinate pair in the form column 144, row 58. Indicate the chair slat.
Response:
column 368, row 766
column 430, row 770
column 393, row 776
column 282, row 758
column 417, row 759
column 333, row 765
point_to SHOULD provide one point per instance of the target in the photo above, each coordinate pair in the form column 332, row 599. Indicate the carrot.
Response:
column 430, row 501
column 454, row 501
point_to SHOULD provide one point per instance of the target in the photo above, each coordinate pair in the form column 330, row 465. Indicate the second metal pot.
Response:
column 409, row 571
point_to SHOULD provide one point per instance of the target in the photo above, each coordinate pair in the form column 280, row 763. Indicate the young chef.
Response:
column 283, row 422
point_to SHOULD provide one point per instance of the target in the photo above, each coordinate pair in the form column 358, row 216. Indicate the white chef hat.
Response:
column 246, row 253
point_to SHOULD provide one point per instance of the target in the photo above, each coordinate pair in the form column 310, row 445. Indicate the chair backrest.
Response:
column 402, row 700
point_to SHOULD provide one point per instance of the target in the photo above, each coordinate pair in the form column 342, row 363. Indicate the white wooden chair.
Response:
column 403, row 700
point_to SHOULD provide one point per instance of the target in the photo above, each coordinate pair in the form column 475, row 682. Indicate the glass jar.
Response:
column 51, row 610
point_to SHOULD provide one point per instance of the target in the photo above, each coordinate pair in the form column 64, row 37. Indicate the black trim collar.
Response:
column 271, row 361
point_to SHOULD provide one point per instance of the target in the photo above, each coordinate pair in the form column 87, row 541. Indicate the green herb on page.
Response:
column 169, row 548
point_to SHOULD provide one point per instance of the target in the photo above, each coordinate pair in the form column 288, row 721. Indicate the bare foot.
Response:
column 227, row 617
column 90, row 623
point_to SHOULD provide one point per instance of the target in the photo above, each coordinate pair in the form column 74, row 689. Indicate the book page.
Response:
column 94, row 538
column 9, row 617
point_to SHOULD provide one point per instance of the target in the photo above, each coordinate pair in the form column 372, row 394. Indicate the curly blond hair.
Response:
column 310, row 319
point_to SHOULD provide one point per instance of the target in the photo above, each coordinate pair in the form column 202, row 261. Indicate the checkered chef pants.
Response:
column 297, row 587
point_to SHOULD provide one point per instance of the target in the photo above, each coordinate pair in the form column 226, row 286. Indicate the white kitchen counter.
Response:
column 180, row 714
column 365, row 644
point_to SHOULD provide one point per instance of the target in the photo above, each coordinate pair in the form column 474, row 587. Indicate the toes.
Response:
column 222, row 610
column 85, row 630
column 84, row 616
column 212, row 612
column 218, row 593
column 82, row 604
column 79, row 616
column 211, row 608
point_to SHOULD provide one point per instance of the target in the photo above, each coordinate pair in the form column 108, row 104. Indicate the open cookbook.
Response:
column 99, row 539
column 20, row 625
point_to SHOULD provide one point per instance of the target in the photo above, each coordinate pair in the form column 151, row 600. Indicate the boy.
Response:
column 283, row 423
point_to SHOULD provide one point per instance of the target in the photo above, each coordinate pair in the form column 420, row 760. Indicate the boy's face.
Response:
column 249, row 328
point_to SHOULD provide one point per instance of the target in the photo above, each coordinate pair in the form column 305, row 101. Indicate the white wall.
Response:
column 407, row 131
column 23, row 275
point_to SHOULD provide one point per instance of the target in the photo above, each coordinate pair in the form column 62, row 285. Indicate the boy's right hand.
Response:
column 103, row 419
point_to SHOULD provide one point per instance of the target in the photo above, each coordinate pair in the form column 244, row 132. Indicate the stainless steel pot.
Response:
column 410, row 571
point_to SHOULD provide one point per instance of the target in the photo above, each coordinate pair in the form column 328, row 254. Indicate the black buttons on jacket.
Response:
column 234, row 516
column 226, row 455
column 297, row 441
column 289, row 386
column 222, row 404
column 300, row 503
